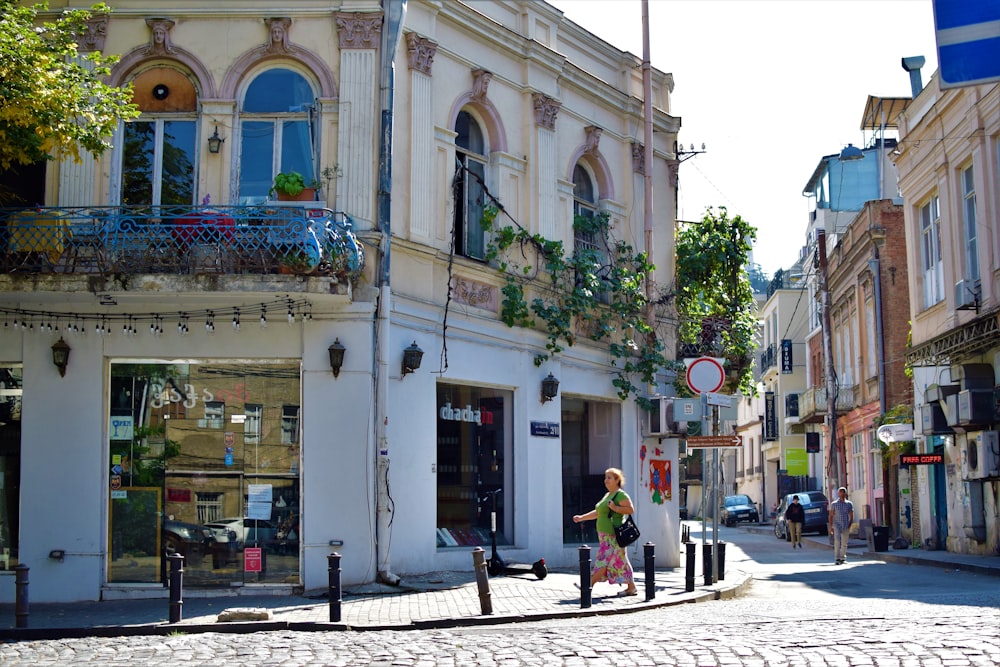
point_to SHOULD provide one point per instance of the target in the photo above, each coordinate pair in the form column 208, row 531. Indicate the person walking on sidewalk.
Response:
column 612, row 563
column 795, row 516
column 841, row 518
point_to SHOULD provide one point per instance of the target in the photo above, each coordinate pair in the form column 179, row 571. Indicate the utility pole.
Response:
column 835, row 471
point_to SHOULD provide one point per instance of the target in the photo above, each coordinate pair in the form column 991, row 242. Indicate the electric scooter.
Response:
column 495, row 565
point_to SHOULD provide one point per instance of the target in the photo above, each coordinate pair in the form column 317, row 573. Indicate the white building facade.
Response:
column 202, row 388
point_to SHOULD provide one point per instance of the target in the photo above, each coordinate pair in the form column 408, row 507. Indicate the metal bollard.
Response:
column 21, row 596
column 689, row 566
column 176, row 586
column 585, row 599
column 685, row 534
column 482, row 580
column 335, row 593
column 706, row 563
column 649, row 567
column 722, row 561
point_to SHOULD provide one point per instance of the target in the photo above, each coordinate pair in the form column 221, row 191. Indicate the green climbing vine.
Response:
column 714, row 296
column 597, row 291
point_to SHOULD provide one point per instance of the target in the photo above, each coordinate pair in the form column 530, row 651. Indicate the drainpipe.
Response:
column 394, row 11
column 875, row 266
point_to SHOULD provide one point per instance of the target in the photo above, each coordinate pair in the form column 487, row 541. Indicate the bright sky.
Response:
column 770, row 87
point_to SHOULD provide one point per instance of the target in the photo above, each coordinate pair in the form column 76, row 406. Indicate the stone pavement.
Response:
column 439, row 599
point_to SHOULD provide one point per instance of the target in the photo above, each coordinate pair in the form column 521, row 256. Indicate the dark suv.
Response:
column 735, row 509
column 816, row 507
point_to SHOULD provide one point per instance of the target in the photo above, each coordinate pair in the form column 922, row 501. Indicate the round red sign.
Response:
column 705, row 375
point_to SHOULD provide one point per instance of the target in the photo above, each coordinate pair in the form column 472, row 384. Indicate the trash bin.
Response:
column 880, row 536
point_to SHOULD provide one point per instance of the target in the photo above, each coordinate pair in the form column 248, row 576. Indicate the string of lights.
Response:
column 27, row 320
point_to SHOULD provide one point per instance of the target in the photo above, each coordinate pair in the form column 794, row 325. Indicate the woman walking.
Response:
column 611, row 564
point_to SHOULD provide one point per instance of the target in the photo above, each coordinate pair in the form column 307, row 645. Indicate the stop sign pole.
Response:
column 706, row 375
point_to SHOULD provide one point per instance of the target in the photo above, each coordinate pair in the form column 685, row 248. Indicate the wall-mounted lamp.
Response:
column 851, row 152
column 57, row 554
column 550, row 388
column 60, row 355
column 336, row 351
column 411, row 358
column 215, row 141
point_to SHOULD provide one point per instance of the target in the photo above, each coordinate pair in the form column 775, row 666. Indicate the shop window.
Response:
column 474, row 465
column 10, row 464
column 289, row 424
column 176, row 480
column 591, row 437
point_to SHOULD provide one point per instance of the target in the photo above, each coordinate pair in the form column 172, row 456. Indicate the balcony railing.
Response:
column 768, row 358
column 813, row 403
column 179, row 239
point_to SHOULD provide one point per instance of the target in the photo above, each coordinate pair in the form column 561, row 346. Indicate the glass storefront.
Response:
column 204, row 462
column 474, row 465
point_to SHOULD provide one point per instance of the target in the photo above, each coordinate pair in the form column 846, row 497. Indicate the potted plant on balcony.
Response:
column 291, row 186
column 294, row 262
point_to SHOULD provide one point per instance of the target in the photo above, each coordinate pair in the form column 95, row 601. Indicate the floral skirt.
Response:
column 618, row 569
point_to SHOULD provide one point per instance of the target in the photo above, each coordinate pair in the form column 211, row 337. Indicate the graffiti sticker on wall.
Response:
column 660, row 481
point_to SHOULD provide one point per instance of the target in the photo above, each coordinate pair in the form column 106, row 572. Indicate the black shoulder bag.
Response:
column 628, row 532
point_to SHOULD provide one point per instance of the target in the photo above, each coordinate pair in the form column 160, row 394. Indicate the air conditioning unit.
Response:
column 660, row 419
column 967, row 294
column 982, row 455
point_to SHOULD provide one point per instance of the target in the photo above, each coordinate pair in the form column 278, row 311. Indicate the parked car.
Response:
column 735, row 509
column 190, row 540
column 816, row 507
column 259, row 532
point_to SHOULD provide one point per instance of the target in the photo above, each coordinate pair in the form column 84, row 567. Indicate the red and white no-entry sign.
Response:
column 705, row 375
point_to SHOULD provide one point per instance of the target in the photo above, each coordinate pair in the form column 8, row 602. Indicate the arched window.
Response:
column 588, row 243
column 159, row 156
column 277, row 132
column 470, row 191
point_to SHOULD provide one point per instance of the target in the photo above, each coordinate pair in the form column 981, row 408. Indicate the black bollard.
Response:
column 585, row 577
column 706, row 562
column 483, row 580
column 21, row 596
column 722, row 561
column 689, row 566
column 649, row 565
column 176, row 586
column 333, row 574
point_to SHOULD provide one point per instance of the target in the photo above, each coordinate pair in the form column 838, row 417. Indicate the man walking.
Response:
column 795, row 516
column 841, row 518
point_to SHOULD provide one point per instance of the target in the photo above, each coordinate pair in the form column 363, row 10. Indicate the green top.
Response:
column 606, row 524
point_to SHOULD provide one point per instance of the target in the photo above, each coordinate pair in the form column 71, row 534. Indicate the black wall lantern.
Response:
column 215, row 141
column 336, row 351
column 411, row 358
column 550, row 388
column 60, row 355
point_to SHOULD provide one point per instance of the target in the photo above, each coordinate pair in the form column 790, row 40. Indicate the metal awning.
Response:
column 888, row 108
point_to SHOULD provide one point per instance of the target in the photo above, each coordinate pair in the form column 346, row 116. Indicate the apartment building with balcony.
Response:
column 782, row 464
column 382, row 409
column 869, row 286
column 839, row 189
column 949, row 175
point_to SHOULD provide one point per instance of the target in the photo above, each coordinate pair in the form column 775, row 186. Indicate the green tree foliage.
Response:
column 51, row 104
column 714, row 296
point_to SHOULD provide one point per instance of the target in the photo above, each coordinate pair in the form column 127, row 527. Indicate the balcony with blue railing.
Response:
column 260, row 239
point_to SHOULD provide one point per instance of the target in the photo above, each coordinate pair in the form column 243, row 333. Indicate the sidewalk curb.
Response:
column 742, row 581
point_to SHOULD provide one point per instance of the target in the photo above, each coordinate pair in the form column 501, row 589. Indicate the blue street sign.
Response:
column 968, row 41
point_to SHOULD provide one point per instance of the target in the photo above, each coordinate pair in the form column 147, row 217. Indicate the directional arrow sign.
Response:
column 713, row 441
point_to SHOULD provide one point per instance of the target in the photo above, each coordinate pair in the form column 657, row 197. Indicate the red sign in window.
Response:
column 178, row 495
column 252, row 559
column 921, row 459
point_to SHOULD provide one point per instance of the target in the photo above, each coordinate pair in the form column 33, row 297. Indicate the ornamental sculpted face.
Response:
column 467, row 414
